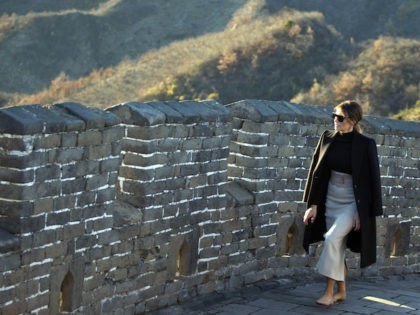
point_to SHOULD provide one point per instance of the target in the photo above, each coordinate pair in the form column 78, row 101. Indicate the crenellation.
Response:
column 146, row 205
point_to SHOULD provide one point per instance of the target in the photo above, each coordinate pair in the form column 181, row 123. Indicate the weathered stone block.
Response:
column 48, row 189
column 32, row 159
column 17, row 176
column 85, row 198
column 73, row 186
column 16, row 143
column 93, row 182
column 47, row 141
column 10, row 261
column 43, row 237
column 105, row 195
column 254, row 139
column 33, row 223
column 112, row 134
column 47, row 172
column 251, row 162
column 69, row 139
column 97, row 152
column 148, row 133
column 58, row 218
column 135, row 173
column 68, row 155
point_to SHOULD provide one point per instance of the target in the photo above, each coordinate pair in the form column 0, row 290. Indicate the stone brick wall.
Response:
column 174, row 169
column 151, row 204
column 58, row 169
column 271, row 149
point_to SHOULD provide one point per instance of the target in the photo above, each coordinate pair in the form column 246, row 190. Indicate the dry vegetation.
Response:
column 290, row 55
column 385, row 73
column 136, row 79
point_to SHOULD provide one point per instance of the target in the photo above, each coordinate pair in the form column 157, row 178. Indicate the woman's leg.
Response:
column 328, row 298
column 341, row 294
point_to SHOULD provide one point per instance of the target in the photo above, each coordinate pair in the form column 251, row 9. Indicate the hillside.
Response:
column 113, row 51
column 37, row 46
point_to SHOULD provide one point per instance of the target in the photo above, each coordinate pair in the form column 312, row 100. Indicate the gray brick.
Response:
column 202, row 156
column 17, row 192
column 140, row 174
column 48, row 189
column 140, row 147
column 92, row 118
column 86, row 198
column 69, row 155
column 98, row 152
column 43, row 205
column 47, row 141
column 256, row 139
column 186, row 170
column 32, row 159
column 106, row 237
column 16, row 176
column 140, row 160
column 89, row 137
column 7, row 295
column 58, row 218
column 191, row 144
column 16, row 208
column 32, row 224
column 116, row 148
column 96, row 181
column 112, row 134
column 44, row 237
column 9, row 261
column 15, row 144
column 202, row 131
column 179, row 131
column 152, row 214
column 73, row 186
column 105, row 195
column 69, row 139
column 148, row 133
column 72, row 231
column 169, row 144
column 47, row 172
column 250, row 162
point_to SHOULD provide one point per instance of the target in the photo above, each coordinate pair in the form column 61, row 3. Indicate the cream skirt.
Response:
column 340, row 209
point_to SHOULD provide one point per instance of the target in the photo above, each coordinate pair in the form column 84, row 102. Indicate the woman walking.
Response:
column 343, row 196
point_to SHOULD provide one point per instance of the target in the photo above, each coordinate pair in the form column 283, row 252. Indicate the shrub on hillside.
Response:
column 384, row 77
column 275, row 66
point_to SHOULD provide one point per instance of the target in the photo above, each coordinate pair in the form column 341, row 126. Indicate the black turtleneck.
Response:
column 339, row 153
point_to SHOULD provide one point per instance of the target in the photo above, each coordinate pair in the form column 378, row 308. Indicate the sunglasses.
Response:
column 339, row 117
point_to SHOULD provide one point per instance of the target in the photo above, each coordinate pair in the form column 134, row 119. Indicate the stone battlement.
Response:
column 145, row 205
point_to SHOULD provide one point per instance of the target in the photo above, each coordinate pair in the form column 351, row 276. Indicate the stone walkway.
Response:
column 288, row 296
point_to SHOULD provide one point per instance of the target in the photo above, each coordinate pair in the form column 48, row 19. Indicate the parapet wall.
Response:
column 146, row 205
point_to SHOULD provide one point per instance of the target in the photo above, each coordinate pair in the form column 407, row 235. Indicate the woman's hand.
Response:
column 356, row 222
column 310, row 215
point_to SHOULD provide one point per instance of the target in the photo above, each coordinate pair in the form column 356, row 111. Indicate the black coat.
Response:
column 367, row 192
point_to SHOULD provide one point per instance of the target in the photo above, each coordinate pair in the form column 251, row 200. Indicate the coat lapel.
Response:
column 328, row 139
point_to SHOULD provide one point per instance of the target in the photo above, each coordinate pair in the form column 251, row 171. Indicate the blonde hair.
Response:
column 354, row 111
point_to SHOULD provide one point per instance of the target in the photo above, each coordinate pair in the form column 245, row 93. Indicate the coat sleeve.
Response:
column 310, row 176
column 375, row 179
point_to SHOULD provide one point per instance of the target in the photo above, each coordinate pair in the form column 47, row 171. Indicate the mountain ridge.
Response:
column 167, row 59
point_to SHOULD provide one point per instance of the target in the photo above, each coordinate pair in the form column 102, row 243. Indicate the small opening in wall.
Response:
column 66, row 293
column 183, row 260
column 290, row 237
column 395, row 243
